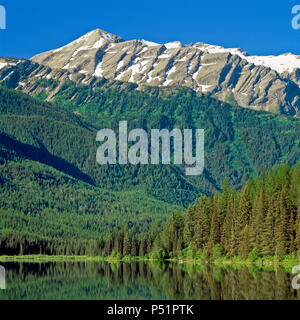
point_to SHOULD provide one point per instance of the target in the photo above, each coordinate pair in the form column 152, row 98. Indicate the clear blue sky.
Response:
column 258, row 26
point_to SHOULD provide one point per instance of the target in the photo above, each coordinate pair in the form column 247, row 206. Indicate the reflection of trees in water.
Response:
column 91, row 280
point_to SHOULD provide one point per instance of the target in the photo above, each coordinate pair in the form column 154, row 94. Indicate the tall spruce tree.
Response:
column 282, row 236
column 215, row 232
column 227, row 225
column 188, row 231
column 243, row 215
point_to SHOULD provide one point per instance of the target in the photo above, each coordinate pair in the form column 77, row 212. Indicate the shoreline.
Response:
column 66, row 258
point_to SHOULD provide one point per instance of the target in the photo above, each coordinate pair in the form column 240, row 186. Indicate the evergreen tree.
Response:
column 202, row 224
column 227, row 225
column 282, row 236
column 268, row 239
column 260, row 214
column 188, row 231
column 215, row 234
column 243, row 215
column 126, row 244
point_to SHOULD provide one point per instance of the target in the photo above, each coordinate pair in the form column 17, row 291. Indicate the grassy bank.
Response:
column 66, row 258
column 265, row 261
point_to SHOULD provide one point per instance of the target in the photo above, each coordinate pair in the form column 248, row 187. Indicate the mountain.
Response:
column 269, row 83
column 52, row 106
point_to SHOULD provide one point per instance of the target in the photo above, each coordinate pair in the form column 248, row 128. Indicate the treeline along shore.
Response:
column 259, row 222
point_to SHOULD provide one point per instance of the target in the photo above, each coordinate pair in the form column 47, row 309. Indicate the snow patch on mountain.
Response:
column 99, row 70
column 3, row 64
column 204, row 87
column 98, row 44
column 173, row 45
column 286, row 62
column 120, row 65
column 282, row 63
column 83, row 48
column 148, row 43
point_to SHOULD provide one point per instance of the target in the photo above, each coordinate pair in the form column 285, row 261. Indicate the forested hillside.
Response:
column 59, row 138
column 39, row 204
column 52, row 189
column 261, row 220
column 44, row 196
column 238, row 142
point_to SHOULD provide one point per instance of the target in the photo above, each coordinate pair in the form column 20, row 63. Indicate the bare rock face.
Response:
column 80, row 55
column 263, row 83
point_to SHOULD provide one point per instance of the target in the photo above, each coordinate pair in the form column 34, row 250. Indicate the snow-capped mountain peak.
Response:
column 260, row 82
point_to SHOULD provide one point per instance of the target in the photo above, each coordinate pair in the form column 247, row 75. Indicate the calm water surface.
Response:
column 94, row 280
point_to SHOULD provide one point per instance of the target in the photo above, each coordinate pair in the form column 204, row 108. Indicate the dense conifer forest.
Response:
column 262, row 219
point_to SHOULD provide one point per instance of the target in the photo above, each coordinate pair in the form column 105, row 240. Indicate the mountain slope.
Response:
column 37, row 200
column 62, row 140
column 261, row 83
column 238, row 142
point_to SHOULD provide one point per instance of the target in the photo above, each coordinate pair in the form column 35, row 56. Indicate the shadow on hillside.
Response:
column 43, row 156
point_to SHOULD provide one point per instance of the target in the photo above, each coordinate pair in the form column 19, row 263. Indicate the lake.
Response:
column 140, row 280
